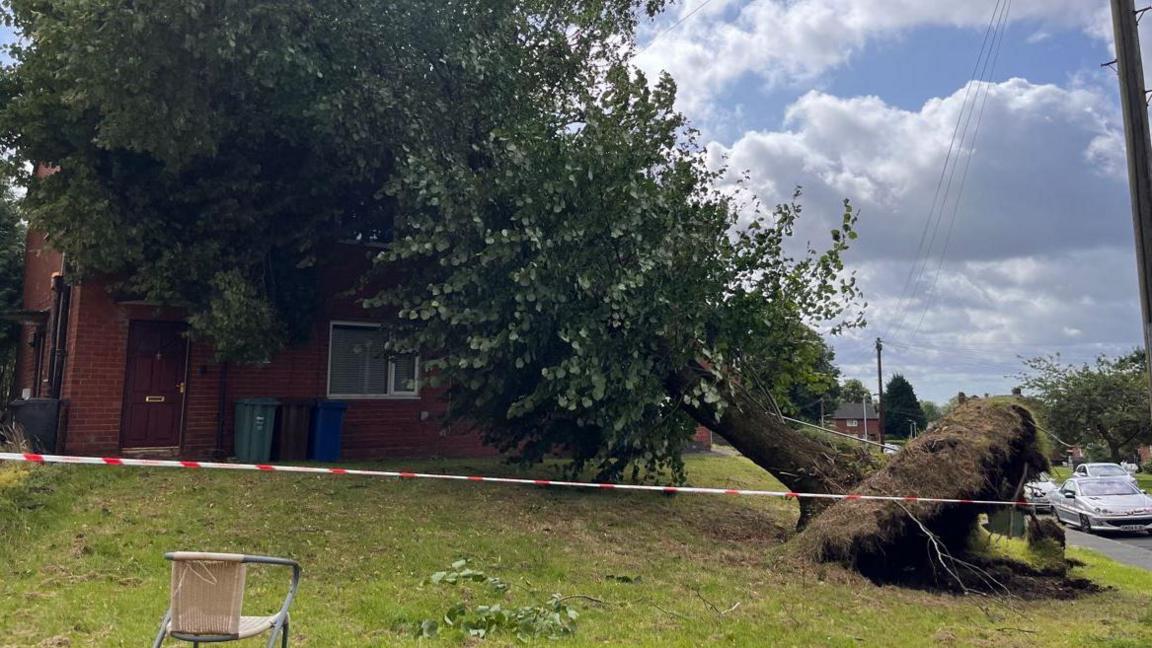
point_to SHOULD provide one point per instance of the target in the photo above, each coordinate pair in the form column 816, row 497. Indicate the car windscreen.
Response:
column 1097, row 488
column 1107, row 471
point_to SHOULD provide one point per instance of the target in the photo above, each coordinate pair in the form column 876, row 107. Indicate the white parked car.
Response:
column 1102, row 504
column 1102, row 470
column 1037, row 492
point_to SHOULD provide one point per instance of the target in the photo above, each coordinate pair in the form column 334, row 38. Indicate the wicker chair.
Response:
column 207, row 596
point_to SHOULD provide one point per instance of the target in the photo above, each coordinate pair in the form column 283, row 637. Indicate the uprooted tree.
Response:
column 553, row 235
column 982, row 451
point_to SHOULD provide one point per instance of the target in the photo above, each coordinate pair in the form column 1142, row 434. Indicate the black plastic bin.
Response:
column 39, row 417
column 290, row 441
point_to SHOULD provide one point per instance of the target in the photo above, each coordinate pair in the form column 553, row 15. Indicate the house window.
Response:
column 360, row 367
column 853, row 423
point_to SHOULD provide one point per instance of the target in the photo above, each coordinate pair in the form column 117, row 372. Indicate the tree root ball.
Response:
column 982, row 450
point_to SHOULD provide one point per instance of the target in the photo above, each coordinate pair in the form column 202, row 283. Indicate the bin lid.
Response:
column 298, row 402
column 257, row 401
column 331, row 404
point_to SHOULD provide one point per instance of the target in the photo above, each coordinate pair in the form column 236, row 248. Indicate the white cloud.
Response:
column 1018, row 195
column 1037, row 37
column 1040, row 255
column 781, row 42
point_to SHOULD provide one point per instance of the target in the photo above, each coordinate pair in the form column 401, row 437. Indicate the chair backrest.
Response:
column 207, row 593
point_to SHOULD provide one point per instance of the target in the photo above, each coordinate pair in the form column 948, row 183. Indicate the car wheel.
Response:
column 1085, row 526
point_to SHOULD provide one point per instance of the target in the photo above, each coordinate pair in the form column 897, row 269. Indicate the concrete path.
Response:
column 1126, row 553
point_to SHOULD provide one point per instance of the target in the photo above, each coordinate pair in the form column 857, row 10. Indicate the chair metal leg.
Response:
column 163, row 630
column 280, row 632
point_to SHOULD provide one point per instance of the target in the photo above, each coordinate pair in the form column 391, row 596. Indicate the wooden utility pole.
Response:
column 880, row 389
column 1134, row 102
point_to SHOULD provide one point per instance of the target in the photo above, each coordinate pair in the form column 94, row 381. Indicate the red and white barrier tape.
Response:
column 169, row 463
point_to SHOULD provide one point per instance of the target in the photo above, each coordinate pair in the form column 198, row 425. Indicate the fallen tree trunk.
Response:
column 799, row 460
column 982, row 451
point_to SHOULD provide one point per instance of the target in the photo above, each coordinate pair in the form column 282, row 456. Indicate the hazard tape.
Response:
column 318, row 470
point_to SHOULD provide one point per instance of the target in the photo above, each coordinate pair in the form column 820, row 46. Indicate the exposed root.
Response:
column 981, row 451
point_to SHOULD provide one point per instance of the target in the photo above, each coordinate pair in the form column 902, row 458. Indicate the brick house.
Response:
column 857, row 420
column 130, row 381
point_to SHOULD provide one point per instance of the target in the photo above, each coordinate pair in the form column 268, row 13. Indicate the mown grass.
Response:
column 81, row 563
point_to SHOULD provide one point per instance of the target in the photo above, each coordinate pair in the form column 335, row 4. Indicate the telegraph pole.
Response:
column 880, row 388
column 1134, row 102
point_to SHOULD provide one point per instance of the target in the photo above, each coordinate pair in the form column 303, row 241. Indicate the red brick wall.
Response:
column 702, row 438
column 94, row 382
column 841, row 425
column 94, row 370
column 40, row 263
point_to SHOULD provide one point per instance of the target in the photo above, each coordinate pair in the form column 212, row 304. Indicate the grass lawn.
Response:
column 81, row 563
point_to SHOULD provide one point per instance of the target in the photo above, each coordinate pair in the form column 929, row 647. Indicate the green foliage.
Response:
column 563, row 283
column 809, row 383
column 932, row 411
column 461, row 573
column 245, row 138
column 552, row 619
column 239, row 319
column 553, row 234
column 1104, row 404
column 11, row 287
column 901, row 408
column 854, row 391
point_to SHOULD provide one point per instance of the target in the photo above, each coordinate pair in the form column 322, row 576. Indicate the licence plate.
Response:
column 1132, row 527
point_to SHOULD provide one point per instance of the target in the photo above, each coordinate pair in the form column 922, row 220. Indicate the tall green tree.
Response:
column 854, row 391
column 1100, row 404
column 932, row 411
column 11, row 288
column 815, row 389
column 902, row 408
column 552, row 235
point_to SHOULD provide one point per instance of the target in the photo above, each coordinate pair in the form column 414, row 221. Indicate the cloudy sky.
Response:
column 995, row 219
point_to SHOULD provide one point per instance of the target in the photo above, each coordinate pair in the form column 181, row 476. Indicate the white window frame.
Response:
column 392, row 393
column 853, row 422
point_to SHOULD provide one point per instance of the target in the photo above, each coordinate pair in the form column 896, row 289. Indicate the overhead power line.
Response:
column 675, row 24
column 921, row 260
column 986, row 84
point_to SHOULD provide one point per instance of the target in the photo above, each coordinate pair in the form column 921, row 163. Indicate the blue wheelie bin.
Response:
column 327, row 424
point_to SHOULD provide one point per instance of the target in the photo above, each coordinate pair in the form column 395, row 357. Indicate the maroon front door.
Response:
column 153, row 385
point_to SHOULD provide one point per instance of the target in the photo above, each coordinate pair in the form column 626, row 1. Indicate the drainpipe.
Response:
column 62, row 297
column 221, row 405
column 38, row 364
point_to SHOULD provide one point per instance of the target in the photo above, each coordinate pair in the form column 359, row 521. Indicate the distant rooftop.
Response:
column 853, row 411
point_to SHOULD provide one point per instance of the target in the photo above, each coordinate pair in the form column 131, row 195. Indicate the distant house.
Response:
column 856, row 419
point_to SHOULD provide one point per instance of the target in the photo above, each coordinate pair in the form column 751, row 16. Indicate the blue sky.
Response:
column 1032, row 252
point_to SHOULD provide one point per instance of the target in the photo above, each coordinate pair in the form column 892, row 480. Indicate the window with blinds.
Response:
column 359, row 365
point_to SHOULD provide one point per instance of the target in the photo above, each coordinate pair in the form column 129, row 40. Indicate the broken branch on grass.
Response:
column 715, row 609
column 581, row 596
column 671, row 612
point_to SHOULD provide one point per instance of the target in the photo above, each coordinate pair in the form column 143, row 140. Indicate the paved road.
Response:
column 1141, row 540
column 1128, row 548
